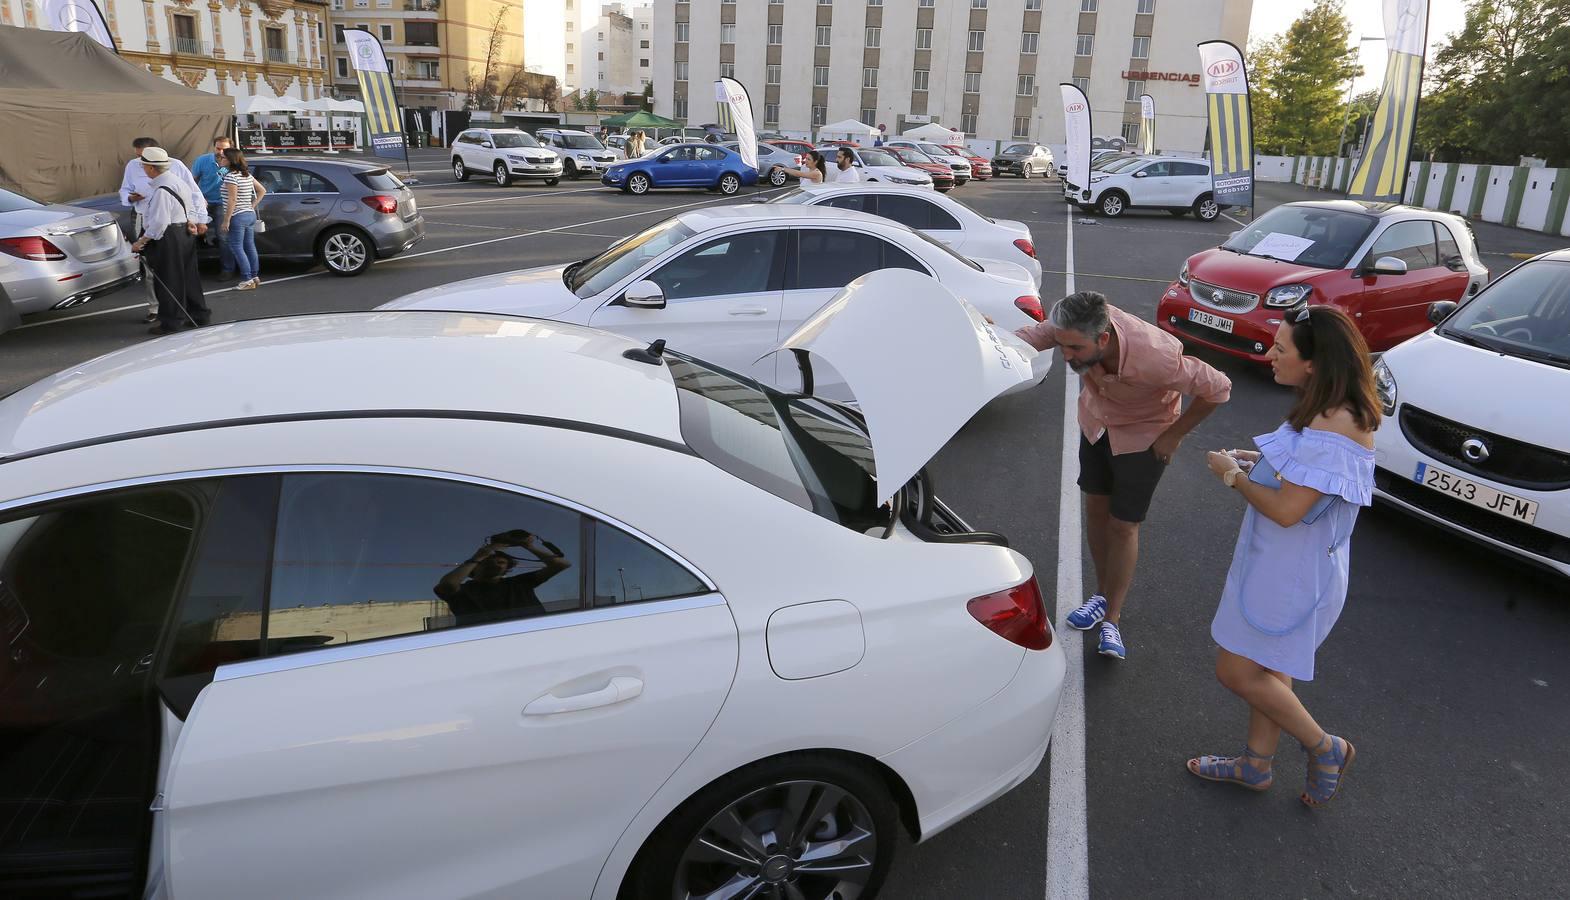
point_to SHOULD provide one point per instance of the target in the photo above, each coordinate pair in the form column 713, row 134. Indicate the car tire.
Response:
column 458, row 171
column 777, row 176
column 503, row 177
column 1112, row 204
column 345, row 252
column 552, row 182
column 729, row 184
column 1024, row 171
column 570, row 170
column 638, row 183
column 761, row 796
column 1206, row 209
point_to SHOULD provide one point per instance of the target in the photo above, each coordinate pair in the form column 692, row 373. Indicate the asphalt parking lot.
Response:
column 1447, row 669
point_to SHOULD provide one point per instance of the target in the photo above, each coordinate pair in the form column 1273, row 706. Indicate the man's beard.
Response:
column 1081, row 368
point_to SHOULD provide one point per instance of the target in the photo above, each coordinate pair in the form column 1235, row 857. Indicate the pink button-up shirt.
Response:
column 1145, row 396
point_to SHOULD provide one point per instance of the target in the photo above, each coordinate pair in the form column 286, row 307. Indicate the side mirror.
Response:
column 488, row 145
column 1386, row 265
column 1441, row 310
column 644, row 295
column 1141, row 175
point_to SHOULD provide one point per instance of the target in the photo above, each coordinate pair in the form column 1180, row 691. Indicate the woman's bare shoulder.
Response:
column 1342, row 422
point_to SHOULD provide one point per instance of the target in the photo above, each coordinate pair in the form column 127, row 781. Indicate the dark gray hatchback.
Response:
column 344, row 214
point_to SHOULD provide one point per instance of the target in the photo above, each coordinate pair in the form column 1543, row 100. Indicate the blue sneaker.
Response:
column 1086, row 617
column 1111, row 641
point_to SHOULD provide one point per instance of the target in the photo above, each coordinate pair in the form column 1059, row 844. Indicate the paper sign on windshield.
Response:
column 1285, row 247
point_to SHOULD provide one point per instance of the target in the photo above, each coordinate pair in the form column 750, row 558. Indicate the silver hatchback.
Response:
column 54, row 256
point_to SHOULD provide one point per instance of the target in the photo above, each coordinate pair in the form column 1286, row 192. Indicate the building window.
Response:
column 343, row 67
column 776, row 34
column 185, row 35
column 1082, row 83
column 1028, row 41
column 571, row 48
column 679, row 108
column 874, row 37
column 819, row 115
column 869, row 78
column 1130, row 132
column 967, row 124
column 275, row 44
column 926, row 4
column 1087, row 5
column 643, row 63
column 337, row 34
column 869, row 116
column 1145, row 7
column 602, row 76
column 972, row 82
column 683, row 32
column 1021, row 126
column 978, row 40
column 1141, row 46
column 874, row 2
column 727, row 70
column 602, row 56
column 771, row 113
column 773, row 75
column 602, row 36
column 571, row 68
column 978, row 4
column 924, row 39
column 681, row 70
column 642, row 45
column 429, row 69
column 1027, row 86
column 727, row 34
column 825, row 32
column 387, row 34
column 1084, row 45
column 825, row 2
column 1032, row 5
column 820, row 76
column 918, row 79
column 776, row 2
column 1135, row 88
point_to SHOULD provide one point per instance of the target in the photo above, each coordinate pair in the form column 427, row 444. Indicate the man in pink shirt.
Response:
column 1131, row 418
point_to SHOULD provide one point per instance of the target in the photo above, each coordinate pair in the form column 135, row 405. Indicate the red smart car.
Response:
column 1383, row 264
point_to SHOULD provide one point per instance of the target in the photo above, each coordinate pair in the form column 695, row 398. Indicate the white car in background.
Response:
column 877, row 164
column 959, row 164
column 727, row 281
column 936, row 215
column 506, row 154
column 581, row 152
column 1176, row 184
column 740, row 645
column 1470, row 441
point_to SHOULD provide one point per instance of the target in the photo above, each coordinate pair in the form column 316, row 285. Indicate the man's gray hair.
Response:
column 1084, row 312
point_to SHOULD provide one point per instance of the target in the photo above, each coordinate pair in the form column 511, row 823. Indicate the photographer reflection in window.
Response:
column 479, row 590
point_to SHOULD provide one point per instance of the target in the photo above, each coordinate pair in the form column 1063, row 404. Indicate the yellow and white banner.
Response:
column 383, row 122
column 1380, row 174
column 1231, row 123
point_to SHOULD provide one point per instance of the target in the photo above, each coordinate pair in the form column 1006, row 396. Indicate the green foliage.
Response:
column 1298, row 83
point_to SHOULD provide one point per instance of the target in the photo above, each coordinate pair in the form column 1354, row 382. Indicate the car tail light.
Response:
column 381, row 203
column 1031, row 306
column 36, row 249
column 1016, row 615
column 1026, row 247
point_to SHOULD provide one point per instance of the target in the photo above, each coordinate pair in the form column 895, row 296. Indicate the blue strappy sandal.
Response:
column 1323, row 785
column 1239, row 770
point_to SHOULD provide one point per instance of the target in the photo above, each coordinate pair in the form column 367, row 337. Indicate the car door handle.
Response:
column 749, row 311
column 312, row 202
column 620, row 689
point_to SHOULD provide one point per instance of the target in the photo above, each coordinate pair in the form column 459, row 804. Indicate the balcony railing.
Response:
column 278, row 55
column 190, row 47
column 422, row 5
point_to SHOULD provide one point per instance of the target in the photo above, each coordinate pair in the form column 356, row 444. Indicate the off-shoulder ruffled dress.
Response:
column 1287, row 586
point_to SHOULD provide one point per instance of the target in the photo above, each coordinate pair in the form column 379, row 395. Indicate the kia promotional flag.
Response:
column 1147, row 124
column 1380, row 175
column 75, row 15
column 382, row 118
column 1076, row 131
column 735, row 111
column 1231, row 123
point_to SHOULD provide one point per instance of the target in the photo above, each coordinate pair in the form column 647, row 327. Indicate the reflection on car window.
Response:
column 872, row 158
column 1336, row 234
column 362, row 556
column 625, row 257
column 1410, row 242
column 11, row 202
column 1018, row 150
column 288, row 180
column 738, row 264
column 1526, row 313
column 579, row 141
column 627, row 570
column 708, row 154
column 513, row 139
column 859, row 202
column 916, row 212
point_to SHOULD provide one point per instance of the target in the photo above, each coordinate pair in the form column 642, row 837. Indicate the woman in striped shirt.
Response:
column 241, row 194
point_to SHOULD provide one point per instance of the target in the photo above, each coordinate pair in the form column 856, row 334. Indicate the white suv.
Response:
column 581, row 151
column 1175, row 184
column 506, row 153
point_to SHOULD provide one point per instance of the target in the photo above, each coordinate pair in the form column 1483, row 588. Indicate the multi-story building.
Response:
column 618, row 49
column 240, row 48
column 550, row 41
column 988, row 67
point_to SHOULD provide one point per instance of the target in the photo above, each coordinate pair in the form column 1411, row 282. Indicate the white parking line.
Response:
column 1230, row 219
column 553, row 193
column 1068, row 839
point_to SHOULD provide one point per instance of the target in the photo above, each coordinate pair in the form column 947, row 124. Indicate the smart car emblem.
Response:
column 1218, row 296
column 1475, row 450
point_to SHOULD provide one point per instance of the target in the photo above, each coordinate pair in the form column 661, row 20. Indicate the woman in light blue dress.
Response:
column 1288, row 581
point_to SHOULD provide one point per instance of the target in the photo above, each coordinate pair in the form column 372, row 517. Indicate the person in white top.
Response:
column 134, row 192
column 171, row 213
column 816, row 169
column 845, row 167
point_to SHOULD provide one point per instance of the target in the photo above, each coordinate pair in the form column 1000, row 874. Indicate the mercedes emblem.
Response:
column 1474, row 450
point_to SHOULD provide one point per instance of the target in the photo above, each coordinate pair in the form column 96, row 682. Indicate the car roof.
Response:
column 356, row 165
column 875, row 187
column 784, row 214
column 428, row 363
column 1381, row 210
column 564, row 130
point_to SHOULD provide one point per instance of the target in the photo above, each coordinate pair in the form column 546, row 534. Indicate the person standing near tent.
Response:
column 134, row 192
column 882, row 130
column 209, row 170
column 166, row 240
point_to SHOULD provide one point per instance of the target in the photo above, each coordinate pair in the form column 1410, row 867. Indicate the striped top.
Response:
column 244, row 192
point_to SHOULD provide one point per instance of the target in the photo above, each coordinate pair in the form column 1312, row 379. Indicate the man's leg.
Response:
column 1097, row 516
column 1122, row 551
column 190, row 289
column 225, row 254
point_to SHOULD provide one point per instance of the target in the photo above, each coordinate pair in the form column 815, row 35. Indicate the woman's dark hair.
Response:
column 819, row 163
column 1342, row 375
column 236, row 161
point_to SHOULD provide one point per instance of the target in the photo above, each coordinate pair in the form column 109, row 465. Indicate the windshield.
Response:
column 911, row 156
column 10, row 202
column 1309, row 235
column 582, row 142
column 803, row 451
column 598, row 273
column 934, row 150
column 1115, row 163
column 1525, row 313
column 794, row 195
column 873, row 158
column 1017, row 150
column 513, row 139
column 958, row 151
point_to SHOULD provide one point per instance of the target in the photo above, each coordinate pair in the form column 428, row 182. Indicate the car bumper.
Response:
column 614, row 178
column 592, row 166
column 394, row 235
column 1252, row 332
column 981, row 173
column 35, row 287
column 1546, row 542
column 532, row 170
column 985, row 753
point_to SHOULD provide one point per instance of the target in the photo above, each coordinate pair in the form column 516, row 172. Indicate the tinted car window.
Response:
column 363, row 556
column 513, row 139
column 833, row 259
column 709, row 154
column 859, row 202
column 288, row 180
column 738, row 264
column 380, row 180
column 915, row 212
column 680, row 154
column 1410, row 242
column 627, row 570
column 1448, row 248
column 1187, row 169
column 1156, row 170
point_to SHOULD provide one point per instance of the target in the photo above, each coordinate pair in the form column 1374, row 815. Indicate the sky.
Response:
column 1272, row 17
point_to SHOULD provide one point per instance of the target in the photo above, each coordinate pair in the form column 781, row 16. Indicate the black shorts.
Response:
column 1130, row 479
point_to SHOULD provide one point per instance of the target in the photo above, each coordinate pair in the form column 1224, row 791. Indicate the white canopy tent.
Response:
column 329, row 105
column 850, row 129
column 941, row 134
column 262, row 105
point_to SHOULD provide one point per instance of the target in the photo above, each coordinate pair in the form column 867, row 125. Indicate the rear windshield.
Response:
column 513, row 139
column 380, row 180
column 1525, row 313
column 1310, row 235
column 10, row 202
column 803, row 451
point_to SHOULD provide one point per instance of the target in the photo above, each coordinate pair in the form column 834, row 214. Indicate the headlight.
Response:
column 1096, row 178
column 1183, row 275
column 584, row 157
column 517, row 159
column 1288, row 295
column 1385, row 386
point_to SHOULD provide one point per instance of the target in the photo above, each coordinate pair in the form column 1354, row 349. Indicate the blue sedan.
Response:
column 682, row 165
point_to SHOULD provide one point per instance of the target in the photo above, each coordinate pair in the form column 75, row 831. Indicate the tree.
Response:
column 648, row 97
column 482, row 86
column 1300, row 77
column 591, row 100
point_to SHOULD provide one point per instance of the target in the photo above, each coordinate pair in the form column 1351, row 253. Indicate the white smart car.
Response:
column 936, row 215
column 416, row 604
column 725, row 282
column 1476, row 437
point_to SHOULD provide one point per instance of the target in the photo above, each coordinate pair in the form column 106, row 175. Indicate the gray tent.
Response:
column 70, row 108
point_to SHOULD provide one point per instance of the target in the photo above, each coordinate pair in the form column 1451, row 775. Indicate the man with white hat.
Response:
column 170, row 212
column 134, row 193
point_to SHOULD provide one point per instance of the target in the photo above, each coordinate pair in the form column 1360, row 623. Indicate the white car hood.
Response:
column 913, row 401
column 526, row 292
column 1477, row 387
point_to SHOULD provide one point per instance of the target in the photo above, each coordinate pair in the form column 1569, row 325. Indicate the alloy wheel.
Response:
column 638, row 184
column 1208, row 209
column 1112, row 205
column 777, row 176
column 344, row 252
column 729, row 184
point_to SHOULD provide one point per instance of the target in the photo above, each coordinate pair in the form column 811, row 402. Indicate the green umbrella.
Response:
column 639, row 119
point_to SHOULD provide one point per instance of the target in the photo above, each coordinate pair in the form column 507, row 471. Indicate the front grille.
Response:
column 1225, row 299
column 1464, row 515
column 1217, row 338
column 1509, row 461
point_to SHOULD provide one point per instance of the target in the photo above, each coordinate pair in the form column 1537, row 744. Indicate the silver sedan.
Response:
column 772, row 161
column 54, row 256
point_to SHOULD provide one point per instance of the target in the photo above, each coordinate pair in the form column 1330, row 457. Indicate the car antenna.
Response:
column 650, row 354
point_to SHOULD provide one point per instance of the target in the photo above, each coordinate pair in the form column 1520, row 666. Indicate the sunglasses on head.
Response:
column 1299, row 314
